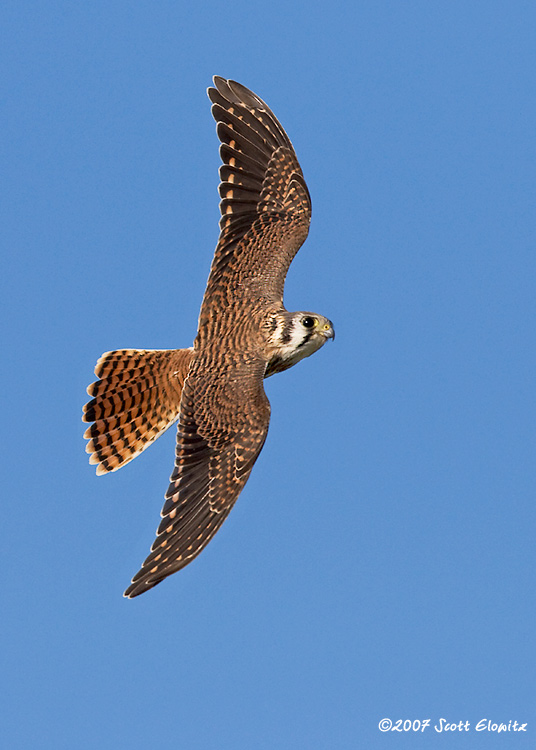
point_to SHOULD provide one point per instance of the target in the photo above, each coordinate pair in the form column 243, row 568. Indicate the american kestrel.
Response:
column 215, row 388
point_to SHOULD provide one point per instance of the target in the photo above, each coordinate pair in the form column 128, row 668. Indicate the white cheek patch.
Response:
column 297, row 337
column 314, row 343
column 299, row 347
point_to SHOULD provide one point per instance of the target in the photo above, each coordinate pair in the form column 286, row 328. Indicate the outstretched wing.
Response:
column 224, row 412
column 265, row 204
column 222, row 427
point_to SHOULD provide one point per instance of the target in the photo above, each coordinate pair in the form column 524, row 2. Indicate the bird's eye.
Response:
column 308, row 322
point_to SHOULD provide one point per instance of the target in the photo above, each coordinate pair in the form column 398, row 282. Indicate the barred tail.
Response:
column 135, row 400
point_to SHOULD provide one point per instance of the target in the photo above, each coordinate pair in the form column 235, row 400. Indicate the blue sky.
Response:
column 380, row 561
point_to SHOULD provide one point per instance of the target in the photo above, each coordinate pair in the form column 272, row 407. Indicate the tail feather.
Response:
column 135, row 400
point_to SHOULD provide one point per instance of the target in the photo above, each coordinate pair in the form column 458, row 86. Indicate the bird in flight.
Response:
column 215, row 388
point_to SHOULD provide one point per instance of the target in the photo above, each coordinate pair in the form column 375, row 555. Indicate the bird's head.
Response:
column 297, row 335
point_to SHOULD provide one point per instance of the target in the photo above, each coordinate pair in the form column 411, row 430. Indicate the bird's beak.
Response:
column 328, row 332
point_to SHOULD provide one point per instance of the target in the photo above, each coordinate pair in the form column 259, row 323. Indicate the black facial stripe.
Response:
column 305, row 340
column 286, row 333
